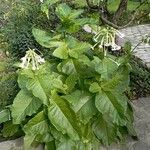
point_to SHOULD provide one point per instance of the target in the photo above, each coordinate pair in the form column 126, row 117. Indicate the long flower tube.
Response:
column 31, row 59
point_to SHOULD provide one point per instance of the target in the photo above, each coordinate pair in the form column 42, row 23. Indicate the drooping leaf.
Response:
column 9, row 129
column 4, row 115
column 66, row 144
column 62, row 117
column 28, row 140
column 104, row 131
column 87, row 111
column 25, row 104
column 37, row 128
column 108, row 105
column 35, row 86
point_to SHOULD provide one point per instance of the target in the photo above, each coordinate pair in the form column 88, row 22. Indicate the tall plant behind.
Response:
column 76, row 100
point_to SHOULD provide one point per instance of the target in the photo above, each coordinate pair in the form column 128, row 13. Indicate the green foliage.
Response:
column 140, row 79
column 76, row 100
column 18, row 17
column 5, row 115
column 8, row 88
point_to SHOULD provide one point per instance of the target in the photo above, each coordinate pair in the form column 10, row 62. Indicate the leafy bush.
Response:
column 140, row 79
column 8, row 88
column 8, row 81
column 76, row 100
column 18, row 20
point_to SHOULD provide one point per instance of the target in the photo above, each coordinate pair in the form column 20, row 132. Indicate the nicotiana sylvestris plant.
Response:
column 76, row 101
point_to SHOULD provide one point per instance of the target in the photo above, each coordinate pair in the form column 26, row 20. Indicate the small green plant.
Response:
column 76, row 100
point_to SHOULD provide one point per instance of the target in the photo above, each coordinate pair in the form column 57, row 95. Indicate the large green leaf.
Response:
column 94, row 87
column 35, row 86
column 9, row 129
column 67, row 67
column 63, row 11
column 71, row 81
column 66, row 144
column 114, row 83
column 83, row 104
column 62, row 117
column 46, row 4
column 37, row 128
column 107, row 67
column 108, row 105
column 50, row 146
column 87, row 111
column 46, row 39
column 61, row 52
column 79, row 48
column 25, row 104
column 104, row 131
column 40, row 83
column 4, row 115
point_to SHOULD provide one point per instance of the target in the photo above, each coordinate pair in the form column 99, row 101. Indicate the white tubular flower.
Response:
column 40, row 60
column 105, row 37
column 121, row 35
column 24, row 61
column 31, row 59
column 115, row 47
column 41, row 1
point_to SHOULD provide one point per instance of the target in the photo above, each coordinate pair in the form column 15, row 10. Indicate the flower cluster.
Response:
column 31, row 59
column 106, row 37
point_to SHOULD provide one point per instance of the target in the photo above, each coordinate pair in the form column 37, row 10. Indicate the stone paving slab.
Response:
column 142, row 126
column 135, row 34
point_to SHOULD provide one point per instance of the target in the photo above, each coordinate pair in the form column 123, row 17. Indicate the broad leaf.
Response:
column 94, row 88
column 62, row 117
column 35, row 86
column 61, row 52
column 50, row 146
column 79, row 49
column 106, row 67
column 104, row 131
column 46, row 4
column 25, row 104
column 45, row 39
column 108, row 105
column 63, row 11
column 71, row 81
column 114, row 83
column 66, row 144
column 67, row 67
column 9, row 129
column 83, row 104
column 4, row 115
column 37, row 128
